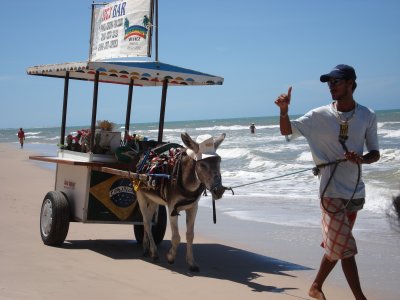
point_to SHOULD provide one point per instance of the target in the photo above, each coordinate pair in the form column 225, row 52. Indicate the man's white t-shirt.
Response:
column 321, row 128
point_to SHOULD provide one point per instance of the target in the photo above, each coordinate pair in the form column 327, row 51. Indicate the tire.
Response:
column 158, row 230
column 54, row 218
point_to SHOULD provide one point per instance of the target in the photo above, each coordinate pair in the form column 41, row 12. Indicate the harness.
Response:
column 165, row 163
column 158, row 164
column 190, row 196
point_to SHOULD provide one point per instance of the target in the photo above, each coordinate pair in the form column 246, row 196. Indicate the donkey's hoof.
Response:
column 194, row 269
column 170, row 258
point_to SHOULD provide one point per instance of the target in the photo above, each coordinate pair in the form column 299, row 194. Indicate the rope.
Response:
column 352, row 196
column 315, row 171
column 271, row 178
column 342, row 140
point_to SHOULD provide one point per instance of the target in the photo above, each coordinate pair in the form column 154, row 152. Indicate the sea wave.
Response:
column 388, row 133
column 233, row 153
column 378, row 199
column 384, row 124
column 167, row 130
column 305, row 156
column 234, row 127
column 32, row 133
column 36, row 137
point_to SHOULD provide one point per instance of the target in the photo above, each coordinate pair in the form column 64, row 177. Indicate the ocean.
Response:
column 289, row 200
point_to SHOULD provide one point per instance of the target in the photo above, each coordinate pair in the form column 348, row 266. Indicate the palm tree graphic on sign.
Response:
column 136, row 30
column 146, row 21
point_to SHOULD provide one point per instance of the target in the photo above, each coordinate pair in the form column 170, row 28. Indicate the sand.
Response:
column 238, row 260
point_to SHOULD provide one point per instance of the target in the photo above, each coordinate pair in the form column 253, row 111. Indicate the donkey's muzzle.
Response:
column 217, row 190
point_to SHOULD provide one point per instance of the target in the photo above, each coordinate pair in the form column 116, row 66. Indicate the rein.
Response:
column 191, row 196
column 315, row 170
column 266, row 179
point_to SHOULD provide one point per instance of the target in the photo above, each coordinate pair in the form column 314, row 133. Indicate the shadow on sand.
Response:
column 239, row 265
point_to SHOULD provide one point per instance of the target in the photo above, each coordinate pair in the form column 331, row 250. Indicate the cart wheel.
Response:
column 54, row 218
column 158, row 229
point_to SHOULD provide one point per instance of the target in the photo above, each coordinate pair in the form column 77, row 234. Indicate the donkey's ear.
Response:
column 189, row 143
column 219, row 140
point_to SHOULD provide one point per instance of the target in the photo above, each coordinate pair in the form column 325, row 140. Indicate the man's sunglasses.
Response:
column 334, row 82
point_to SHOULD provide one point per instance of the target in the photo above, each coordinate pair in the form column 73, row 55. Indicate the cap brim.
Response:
column 324, row 78
column 336, row 74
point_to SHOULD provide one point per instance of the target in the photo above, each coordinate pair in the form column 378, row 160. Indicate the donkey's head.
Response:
column 203, row 152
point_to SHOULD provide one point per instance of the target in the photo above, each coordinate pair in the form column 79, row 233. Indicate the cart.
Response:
column 94, row 187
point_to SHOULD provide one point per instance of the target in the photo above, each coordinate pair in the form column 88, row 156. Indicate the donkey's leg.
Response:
column 175, row 237
column 190, row 219
column 148, row 208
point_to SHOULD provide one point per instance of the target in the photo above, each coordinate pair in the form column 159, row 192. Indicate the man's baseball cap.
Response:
column 340, row 72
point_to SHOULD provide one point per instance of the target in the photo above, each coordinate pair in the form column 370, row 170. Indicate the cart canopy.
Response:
column 143, row 73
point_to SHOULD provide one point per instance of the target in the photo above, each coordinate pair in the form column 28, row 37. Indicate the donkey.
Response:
column 198, row 169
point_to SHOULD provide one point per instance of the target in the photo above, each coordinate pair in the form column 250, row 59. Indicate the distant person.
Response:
column 252, row 128
column 21, row 137
column 336, row 134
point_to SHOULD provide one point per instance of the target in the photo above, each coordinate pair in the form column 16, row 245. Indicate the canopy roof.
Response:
column 143, row 73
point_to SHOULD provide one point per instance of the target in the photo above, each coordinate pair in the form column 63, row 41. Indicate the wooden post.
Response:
column 94, row 110
column 128, row 109
column 162, row 110
column 156, row 38
column 64, row 111
column 91, row 32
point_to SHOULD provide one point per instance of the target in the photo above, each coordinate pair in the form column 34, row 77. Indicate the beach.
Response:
column 238, row 259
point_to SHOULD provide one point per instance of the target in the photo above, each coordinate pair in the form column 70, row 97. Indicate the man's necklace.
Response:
column 344, row 124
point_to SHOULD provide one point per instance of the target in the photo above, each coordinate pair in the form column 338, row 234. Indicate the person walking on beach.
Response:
column 336, row 134
column 21, row 137
column 252, row 128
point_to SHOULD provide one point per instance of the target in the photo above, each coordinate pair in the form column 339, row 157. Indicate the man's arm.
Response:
column 284, row 124
column 369, row 158
column 283, row 102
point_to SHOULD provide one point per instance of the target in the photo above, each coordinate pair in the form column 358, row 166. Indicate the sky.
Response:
column 259, row 47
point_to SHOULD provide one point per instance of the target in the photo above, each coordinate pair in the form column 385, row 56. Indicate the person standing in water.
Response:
column 252, row 128
column 21, row 137
column 336, row 134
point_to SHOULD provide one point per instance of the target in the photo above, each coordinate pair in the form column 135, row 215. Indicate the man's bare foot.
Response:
column 316, row 292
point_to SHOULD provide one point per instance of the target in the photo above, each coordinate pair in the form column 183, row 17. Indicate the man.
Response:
column 336, row 134
column 252, row 128
column 21, row 137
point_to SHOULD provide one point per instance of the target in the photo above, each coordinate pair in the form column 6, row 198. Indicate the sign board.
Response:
column 121, row 29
